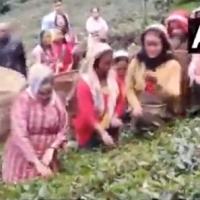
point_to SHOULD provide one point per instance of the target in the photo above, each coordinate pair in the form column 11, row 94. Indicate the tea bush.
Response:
column 138, row 169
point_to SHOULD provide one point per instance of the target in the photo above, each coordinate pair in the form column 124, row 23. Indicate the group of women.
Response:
column 111, row 89
column 55, row 48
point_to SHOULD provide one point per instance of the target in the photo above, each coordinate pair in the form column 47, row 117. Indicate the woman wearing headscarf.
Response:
column 154, row 72
column 62, row 23
column 177, row 26
column 43, row 52
column 97, row 91
column 196, row 13
column 62, row 51
column 121, row 62
column 38, row 127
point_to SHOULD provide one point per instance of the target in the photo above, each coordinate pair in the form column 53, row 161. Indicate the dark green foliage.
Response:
column 4, row 6
column 160, row 169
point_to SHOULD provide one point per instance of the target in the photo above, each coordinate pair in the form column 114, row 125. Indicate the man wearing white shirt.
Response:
column 97, row 29
column 95, row 23
column 48, row 21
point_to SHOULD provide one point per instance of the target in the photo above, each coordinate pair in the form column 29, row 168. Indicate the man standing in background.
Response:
column 95, row 24
column 97, row 29
column 48, row 21
column 12, row 53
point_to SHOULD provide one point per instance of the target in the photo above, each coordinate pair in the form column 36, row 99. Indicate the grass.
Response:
column 190, row 4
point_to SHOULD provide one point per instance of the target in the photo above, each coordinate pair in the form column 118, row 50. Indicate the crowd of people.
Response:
column 112, row 88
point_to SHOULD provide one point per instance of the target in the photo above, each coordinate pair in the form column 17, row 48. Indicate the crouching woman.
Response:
column 97, row 92
column 38, row 127
column 154, row 72
column 121, row 62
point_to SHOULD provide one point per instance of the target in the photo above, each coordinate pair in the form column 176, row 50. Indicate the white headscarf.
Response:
column 194, row 12
column 159, row 27
column 37, row 74
column 120, row 53
column 90, row 77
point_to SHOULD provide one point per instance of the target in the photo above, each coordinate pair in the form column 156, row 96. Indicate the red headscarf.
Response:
column 181, row 18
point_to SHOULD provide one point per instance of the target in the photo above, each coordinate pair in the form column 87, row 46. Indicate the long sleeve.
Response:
column 130, row 83
column 61, row 136
column 85, row 104
column 121, row 101
column 19, row 117
column 170, row 79
column 105, row 122
column 121, row 105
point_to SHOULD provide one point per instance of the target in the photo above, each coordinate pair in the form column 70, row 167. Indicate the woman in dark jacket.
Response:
column 12, row 53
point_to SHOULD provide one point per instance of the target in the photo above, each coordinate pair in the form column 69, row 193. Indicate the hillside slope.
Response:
column 122, row 15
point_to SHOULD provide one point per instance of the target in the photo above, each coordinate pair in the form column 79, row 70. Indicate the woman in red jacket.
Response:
column 62, row 23
column 62, row 51
column 97, row 93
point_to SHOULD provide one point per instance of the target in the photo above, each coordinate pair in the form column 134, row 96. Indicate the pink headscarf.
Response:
column 180, row 17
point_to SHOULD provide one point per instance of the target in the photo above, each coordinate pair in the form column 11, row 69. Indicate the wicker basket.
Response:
column 65, row 85
column 11, row 83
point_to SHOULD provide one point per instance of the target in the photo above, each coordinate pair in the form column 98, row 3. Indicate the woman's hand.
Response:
column 48, row 156
column 107, row 139
column 138, row 111
column 43, row 170
column 116, row 122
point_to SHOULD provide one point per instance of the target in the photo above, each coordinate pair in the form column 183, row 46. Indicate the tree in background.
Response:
column 4, row 6
column 163, row 7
